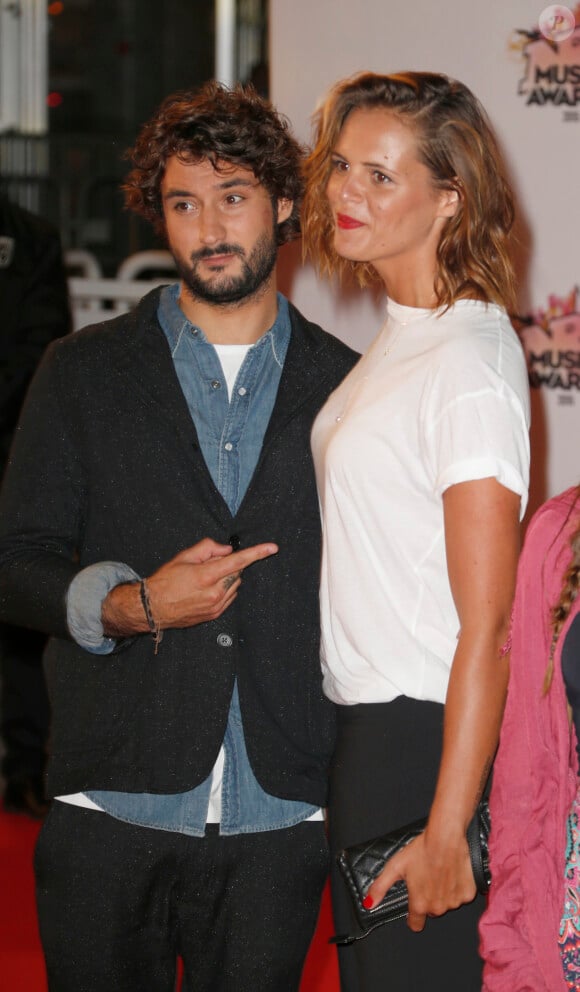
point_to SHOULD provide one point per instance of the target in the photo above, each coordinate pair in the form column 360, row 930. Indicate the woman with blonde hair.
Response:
column 531, row 929
column 422, row 461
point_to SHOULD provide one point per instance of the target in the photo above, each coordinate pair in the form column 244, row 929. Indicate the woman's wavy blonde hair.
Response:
column 570, row 588
column 457, row 144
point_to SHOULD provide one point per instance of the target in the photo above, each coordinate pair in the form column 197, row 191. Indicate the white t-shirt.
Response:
column 437, row 400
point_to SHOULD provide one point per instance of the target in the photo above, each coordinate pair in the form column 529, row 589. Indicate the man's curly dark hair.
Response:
column 221, row 125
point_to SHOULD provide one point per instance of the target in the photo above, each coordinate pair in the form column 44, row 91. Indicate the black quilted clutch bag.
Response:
column 361, row 863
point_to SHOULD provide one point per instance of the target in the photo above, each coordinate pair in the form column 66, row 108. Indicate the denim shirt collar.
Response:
column 174, row 323
column 230, row 429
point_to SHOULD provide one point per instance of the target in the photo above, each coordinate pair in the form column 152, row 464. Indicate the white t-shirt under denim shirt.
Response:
column 439, row 399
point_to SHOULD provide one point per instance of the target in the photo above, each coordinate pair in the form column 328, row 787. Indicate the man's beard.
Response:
column 220, row 290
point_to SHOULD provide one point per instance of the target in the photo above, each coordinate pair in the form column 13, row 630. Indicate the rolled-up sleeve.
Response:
column 85, row 598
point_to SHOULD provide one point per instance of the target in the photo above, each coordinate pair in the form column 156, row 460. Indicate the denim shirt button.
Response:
column 215, row 384
column 224, row 640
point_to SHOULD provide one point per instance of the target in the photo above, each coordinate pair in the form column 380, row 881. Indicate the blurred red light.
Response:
column 55, row 8
column 54, row 99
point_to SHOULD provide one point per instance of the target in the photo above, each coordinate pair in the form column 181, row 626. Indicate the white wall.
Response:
column 315, row 42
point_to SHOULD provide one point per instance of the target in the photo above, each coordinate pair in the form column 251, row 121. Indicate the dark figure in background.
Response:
column 34, row 310
column 160, row 520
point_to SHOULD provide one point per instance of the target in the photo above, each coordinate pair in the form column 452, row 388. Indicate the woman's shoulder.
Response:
column 479, row 351
column 547, row 538
column 473, row 334
column 555, row 512
column 476, row 326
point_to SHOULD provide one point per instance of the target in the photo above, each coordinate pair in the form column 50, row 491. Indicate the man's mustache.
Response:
column 224, row 249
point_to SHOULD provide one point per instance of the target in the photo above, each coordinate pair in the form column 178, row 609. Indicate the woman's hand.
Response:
column 438, row 875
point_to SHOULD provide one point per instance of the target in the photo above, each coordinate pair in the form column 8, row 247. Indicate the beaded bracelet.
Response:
column 154, row 626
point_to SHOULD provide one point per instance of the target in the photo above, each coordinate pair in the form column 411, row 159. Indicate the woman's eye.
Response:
column 339, row 165
column 380, row 178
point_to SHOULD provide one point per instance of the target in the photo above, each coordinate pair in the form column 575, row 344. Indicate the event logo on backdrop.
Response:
column 551, row 339
column 551, row 53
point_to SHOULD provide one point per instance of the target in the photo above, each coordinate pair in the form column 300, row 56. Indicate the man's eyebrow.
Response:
column 181, row 193
column 226, row 184
column 230, row 183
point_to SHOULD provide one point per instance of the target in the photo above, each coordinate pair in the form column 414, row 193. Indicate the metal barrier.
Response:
column 94, row 298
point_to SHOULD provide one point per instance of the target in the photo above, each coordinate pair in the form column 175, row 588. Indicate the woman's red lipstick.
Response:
column 346, row 222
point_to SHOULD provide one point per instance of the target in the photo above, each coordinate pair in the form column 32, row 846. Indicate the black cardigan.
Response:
column 107, row 466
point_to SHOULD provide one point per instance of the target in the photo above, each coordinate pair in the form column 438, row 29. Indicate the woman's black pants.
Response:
column 384, row 775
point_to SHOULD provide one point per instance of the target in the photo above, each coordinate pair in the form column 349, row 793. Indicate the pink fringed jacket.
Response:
column 535, row 775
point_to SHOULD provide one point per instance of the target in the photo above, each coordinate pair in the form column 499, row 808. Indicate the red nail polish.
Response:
column 368, row 902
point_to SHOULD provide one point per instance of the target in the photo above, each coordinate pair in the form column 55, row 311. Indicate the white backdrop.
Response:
column 531, row 90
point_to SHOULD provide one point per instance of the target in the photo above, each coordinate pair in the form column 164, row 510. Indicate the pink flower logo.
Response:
column 557, row 23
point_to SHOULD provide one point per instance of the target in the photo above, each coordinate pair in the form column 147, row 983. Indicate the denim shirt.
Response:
column 230, row 434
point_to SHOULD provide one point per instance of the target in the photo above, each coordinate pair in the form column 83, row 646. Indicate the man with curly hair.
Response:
column 160, row 522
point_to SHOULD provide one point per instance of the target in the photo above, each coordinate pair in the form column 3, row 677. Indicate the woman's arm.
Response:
column 482, row 544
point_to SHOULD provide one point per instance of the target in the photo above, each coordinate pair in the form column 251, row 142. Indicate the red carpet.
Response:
column 21, row 962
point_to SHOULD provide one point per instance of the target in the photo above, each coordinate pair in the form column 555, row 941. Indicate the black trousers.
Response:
column 384, row 775
column 118, row 903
